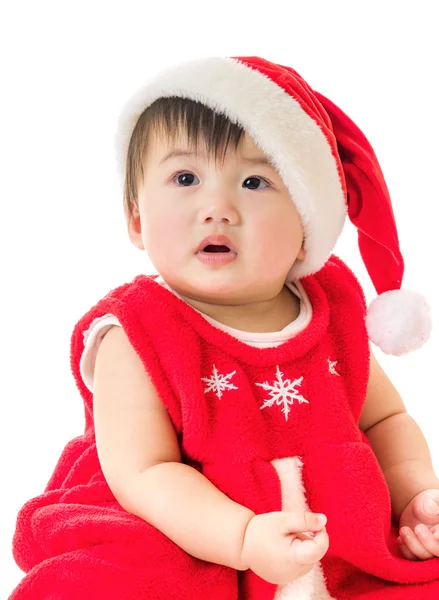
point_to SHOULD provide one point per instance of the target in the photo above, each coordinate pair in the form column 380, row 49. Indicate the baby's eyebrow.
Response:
column 257, row 160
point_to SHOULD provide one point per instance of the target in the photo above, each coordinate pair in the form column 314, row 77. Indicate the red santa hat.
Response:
column 326, row 163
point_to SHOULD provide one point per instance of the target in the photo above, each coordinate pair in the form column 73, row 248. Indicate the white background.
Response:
column 66, row 70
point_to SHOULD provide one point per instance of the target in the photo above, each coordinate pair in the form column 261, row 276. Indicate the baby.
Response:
column 241, row 439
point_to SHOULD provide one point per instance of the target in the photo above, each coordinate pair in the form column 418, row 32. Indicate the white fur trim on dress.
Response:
column 278, row 124
column 312, row 585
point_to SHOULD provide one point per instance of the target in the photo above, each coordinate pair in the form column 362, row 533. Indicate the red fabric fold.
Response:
column 78, row 542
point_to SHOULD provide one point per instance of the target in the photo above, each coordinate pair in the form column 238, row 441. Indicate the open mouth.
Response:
column 216, row 248
column 215, row 255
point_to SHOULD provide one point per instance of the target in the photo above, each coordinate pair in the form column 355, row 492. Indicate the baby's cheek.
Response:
column 277, row 246
column 166, row 235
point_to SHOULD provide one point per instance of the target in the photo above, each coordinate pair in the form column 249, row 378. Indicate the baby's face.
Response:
column 185, row 199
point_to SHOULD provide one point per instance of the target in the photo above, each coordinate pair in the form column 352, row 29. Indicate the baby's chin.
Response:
column 213, row 294
column 222, row 292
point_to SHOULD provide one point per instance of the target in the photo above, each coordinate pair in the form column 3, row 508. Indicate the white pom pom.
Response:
column 399, row 321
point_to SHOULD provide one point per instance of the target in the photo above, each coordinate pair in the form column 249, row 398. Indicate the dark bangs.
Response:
column 173, row 117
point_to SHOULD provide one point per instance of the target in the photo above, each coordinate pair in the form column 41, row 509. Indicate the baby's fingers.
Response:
column 310, row 551
column 405, row 551
column 419, row 542
column 428, row 540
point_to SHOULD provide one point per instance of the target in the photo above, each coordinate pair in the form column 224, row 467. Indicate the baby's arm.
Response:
column 397, row 441
column 140, row 458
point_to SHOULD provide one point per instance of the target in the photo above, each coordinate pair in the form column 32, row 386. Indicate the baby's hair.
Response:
column 171, row 117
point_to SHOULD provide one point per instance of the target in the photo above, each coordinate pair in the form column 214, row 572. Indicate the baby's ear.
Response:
column 134, row 226
column 302, row 252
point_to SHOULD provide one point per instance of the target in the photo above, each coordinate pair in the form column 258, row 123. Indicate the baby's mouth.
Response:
column 216, row 248
column 216, row 251
column 216, row 244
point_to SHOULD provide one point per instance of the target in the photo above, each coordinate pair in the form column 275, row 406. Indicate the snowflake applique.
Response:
column 219, row 383
column 283, row 392
column 331, row 365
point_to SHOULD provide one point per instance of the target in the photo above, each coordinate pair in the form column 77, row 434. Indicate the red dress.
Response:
column 273, row 428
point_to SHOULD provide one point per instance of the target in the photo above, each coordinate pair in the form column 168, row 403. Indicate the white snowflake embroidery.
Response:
column 219, row 383
column 331, row 365
column 283, row 392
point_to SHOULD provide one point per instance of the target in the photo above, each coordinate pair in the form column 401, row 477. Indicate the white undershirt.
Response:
column 99, row 327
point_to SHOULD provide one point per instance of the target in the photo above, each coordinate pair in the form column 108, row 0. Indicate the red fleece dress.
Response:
column 273, row 428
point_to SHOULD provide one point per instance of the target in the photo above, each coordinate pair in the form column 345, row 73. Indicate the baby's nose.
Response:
column 220, row 211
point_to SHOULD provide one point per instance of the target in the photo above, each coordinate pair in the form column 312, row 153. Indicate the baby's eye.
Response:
column 184, row 178
column 254, row 183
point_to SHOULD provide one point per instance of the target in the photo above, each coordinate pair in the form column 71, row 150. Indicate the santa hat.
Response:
column 326, row 163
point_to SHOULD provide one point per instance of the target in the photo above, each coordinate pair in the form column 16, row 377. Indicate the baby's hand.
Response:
column 419, row 527
column 283, row 546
